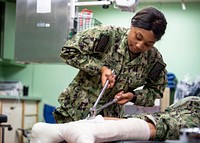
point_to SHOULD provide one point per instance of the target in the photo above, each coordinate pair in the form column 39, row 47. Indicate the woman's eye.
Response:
column 138, row 37
column 148, row 45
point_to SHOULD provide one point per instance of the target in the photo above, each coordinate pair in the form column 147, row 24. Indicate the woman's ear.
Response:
column 132, row 27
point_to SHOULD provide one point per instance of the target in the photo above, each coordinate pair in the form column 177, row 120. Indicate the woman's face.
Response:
column 140, row 40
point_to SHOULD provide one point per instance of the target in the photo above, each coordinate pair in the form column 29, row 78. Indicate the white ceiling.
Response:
column 169, row 0
column 153, row 0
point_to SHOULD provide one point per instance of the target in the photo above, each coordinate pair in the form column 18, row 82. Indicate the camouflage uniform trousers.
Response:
column 183, row 114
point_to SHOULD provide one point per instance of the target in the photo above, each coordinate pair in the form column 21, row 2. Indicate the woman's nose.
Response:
column 139, row 45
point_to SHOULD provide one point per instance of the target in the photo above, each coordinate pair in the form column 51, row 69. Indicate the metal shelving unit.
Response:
column 81, row 24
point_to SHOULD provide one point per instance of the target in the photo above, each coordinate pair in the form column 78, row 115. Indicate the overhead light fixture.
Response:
column 183, row 5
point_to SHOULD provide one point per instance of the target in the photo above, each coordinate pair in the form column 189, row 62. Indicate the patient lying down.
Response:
column 157, row 126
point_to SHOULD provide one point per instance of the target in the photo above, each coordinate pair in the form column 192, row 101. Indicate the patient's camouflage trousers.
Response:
column 183, row 114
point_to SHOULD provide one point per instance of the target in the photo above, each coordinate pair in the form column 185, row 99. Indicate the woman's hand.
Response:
column 124, row 97
column 106, row 74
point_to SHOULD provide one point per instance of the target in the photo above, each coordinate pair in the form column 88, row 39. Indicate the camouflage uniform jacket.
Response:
column 183, row 114
column 106, row 45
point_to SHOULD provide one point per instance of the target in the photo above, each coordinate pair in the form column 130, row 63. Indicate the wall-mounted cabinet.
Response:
column 2, row 17
column 7, row 28
column 7, row 35
column 41, row 30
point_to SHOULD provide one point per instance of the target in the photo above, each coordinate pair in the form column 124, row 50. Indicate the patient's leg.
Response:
column 91, row 131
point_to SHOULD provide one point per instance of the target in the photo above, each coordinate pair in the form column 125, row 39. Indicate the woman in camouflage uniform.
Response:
column 129, row 52
column 159, row 126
